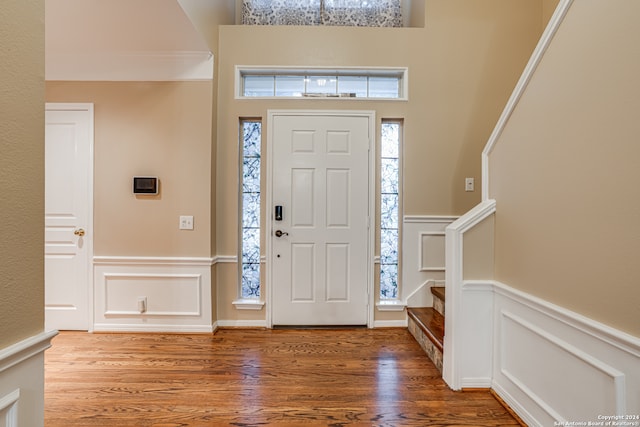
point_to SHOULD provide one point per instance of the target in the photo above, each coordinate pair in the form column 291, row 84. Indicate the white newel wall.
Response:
column 22, row 381
column 153, row 294
column 423, row 256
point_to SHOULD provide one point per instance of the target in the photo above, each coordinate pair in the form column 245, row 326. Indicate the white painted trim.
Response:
column 130, row 66
column 25, row 349
column 161, row 261
column 371, row 115
column 616, row 375
column 605, row 351
column 390, row 323
column 421, row 296
column 391, row 305
column 88, row 239
column 242, row 324
column 614, row 337
column 403, row 72
column 421, row 266
column 521, row 86
column 415, row 272
column 454, row 320
column 176, row 329
column 248, row 304
column 9, row 405
column 443, row 219
column 226, row 259
column 178, row 290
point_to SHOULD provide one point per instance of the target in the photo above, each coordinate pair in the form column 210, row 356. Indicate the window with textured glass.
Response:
column 389, row 208
column 251, row 137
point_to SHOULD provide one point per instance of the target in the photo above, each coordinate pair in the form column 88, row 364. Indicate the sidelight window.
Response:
column 389, row 209
column 251, row 137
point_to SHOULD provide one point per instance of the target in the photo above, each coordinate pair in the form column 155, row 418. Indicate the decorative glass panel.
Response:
column 371, row 13
column 251, row 281
column 250, row 208
column 389, row 209
column 388, row 281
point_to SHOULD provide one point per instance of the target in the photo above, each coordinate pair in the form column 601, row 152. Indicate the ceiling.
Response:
column 95, row 39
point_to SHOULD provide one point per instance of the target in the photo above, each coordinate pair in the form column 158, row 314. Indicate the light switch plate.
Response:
column 186, row 222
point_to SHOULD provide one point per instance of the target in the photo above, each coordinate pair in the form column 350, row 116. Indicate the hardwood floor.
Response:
column 243, row 377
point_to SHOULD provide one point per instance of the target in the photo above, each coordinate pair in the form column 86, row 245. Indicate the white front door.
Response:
column 68, row 199
column 320, row 249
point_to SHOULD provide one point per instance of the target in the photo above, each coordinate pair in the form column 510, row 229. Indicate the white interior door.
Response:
column 68, row 225
column 320, row 177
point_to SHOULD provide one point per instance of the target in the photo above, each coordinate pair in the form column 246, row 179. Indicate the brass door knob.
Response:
column 79, row 232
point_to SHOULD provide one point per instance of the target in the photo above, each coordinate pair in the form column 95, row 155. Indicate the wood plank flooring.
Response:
column 246, row 377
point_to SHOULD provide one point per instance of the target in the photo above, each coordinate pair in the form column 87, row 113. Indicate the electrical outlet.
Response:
column 142, row 304
column 469, row 184
column 186, row 222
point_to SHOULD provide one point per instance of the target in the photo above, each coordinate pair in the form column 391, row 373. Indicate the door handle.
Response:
column 280, row 233
column 79, row 232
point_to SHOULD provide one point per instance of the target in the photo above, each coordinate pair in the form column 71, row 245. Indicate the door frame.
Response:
column 371, row 116
column 88, row 241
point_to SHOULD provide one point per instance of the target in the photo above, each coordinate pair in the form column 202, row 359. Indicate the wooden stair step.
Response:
column 430, row 322
column 438, row 292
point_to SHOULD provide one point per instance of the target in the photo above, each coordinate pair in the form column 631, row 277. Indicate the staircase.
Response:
column 426, row 324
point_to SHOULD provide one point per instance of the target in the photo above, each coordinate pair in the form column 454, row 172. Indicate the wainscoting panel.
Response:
column 555, row 366
column 22, row 381
column 423, row 257
column 153, row 294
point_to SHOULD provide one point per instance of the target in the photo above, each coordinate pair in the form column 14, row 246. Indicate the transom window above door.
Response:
column 346, row 83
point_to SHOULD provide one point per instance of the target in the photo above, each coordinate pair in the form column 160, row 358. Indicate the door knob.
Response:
column 280, row 233
column 79, row 232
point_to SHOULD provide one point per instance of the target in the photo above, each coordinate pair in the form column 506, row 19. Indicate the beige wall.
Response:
column 548, row 7
column 148, row 128
column 478, row 251
column 21, row 170
column 564, row 172
column 462, row 68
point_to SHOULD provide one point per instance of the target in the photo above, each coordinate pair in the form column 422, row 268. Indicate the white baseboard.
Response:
column 162, row 328
column 390, row 323
column 22, row 381
column 242, row 323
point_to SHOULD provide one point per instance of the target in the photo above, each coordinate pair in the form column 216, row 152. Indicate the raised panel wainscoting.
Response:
column 423, row 255
column 22, row 381
column 153, row 294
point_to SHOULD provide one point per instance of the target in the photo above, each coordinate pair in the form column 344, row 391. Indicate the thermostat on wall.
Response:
column 145, row 185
